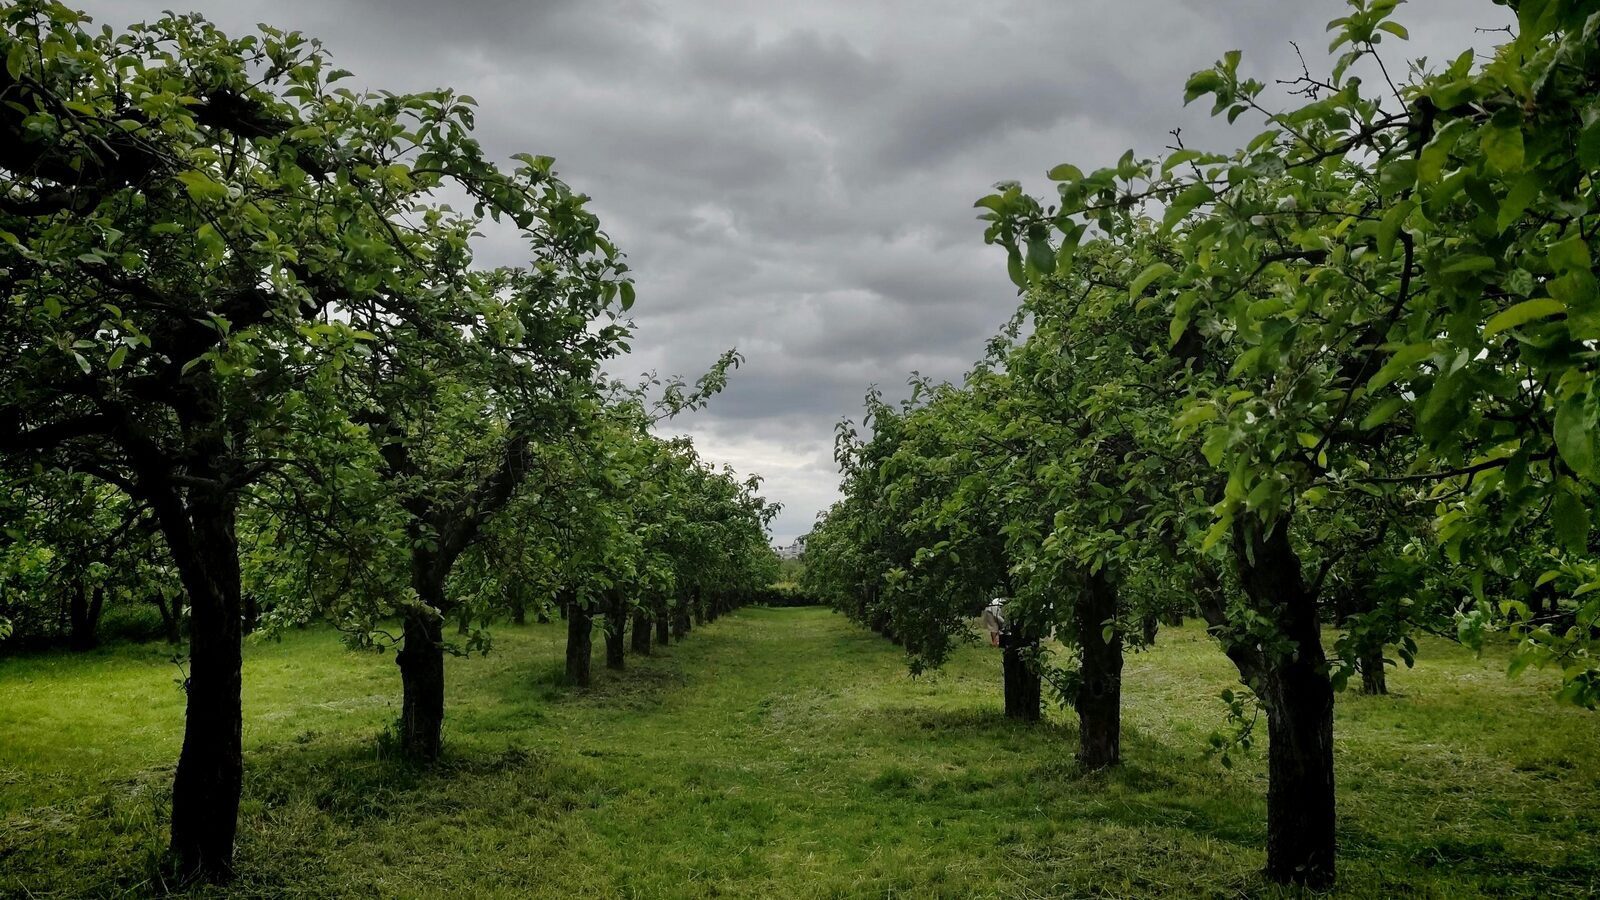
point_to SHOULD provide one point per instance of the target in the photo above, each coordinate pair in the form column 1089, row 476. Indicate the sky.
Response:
column 796, row 179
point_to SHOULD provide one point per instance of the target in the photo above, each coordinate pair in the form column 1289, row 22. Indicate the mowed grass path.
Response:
column 781, row 753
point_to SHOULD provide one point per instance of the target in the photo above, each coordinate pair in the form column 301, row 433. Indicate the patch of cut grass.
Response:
column 780, row 753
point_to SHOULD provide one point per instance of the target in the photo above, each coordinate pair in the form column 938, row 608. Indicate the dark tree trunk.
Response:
column 1374, row 680
column 252, row 613
column 421, row 662
column 580, row 642
column 1021, row 679
column 699, row 611
column 519, row 611
column 663, row 625
column 641, row 630
column 1149, row 626
column 1099, row 699
column 616, row 624
column 1297, row 696
column 169, row 617
column 680, row 617
column 210, row 775
column 85, row 616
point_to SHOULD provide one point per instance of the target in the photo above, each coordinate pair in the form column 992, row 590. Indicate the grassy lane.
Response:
column 780, row 753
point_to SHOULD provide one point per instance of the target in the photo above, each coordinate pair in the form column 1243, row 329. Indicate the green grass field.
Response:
column 780, row 753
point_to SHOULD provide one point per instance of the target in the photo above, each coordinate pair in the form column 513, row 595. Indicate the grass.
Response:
column 780, row 753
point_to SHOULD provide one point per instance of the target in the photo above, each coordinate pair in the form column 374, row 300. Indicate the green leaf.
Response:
column 627, row 296
column 1064, row 172
column 1522, row 194
column 1570, row 520
column 1041, row 255
column 1145, row 278
column 1522, row 313
column 1185, row 203
column 1382, row 413
column 1502, row 146
column 1389, row 226
column 201, row 187
column 117, row 357
column 1403, row 362
column 1574, row 433
column 1589, row 146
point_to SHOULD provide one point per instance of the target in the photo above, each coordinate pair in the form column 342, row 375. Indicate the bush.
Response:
column 783, row 594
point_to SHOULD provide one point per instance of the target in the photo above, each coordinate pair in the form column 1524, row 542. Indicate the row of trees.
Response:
column 1345, row 375
column 251, row 370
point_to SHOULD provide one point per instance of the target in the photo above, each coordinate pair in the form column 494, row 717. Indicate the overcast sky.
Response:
column 796, row 179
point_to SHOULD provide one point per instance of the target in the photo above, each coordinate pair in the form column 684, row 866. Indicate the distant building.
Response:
column 792, row 551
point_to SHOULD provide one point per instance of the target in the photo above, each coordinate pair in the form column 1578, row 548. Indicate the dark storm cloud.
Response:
column 797, row 179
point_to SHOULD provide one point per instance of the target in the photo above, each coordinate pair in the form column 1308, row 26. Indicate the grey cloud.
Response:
column 797, row 179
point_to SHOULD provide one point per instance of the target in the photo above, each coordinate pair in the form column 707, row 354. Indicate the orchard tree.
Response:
column 1384, row 259
column 190, row 224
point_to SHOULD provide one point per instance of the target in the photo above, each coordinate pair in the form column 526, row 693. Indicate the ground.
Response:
column 781, row 753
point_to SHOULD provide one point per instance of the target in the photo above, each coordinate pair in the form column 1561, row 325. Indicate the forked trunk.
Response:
column 1099, row 698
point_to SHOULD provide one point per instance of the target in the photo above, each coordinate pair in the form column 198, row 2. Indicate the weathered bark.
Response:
column 84, row 616
column 641, row 630
column 210, row 775
column 1099, row 698
column 615, row 624
column 580, row 642
column 1021, row 679
column 1297, row 696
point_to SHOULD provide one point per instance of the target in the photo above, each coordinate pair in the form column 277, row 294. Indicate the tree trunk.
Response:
column 663, row 625
column 580, row 641
column 210, row 775
column 519, row 611
column 1149, row 626
column 1099, row 699
column 1374, row 680
column 680, row 617
column 1021, row 679
column 252, row 613
column 169, row 617
column 85, row 616
column 421, row 662
column 641, row 630
column 616, row 624
column 1297, row 696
